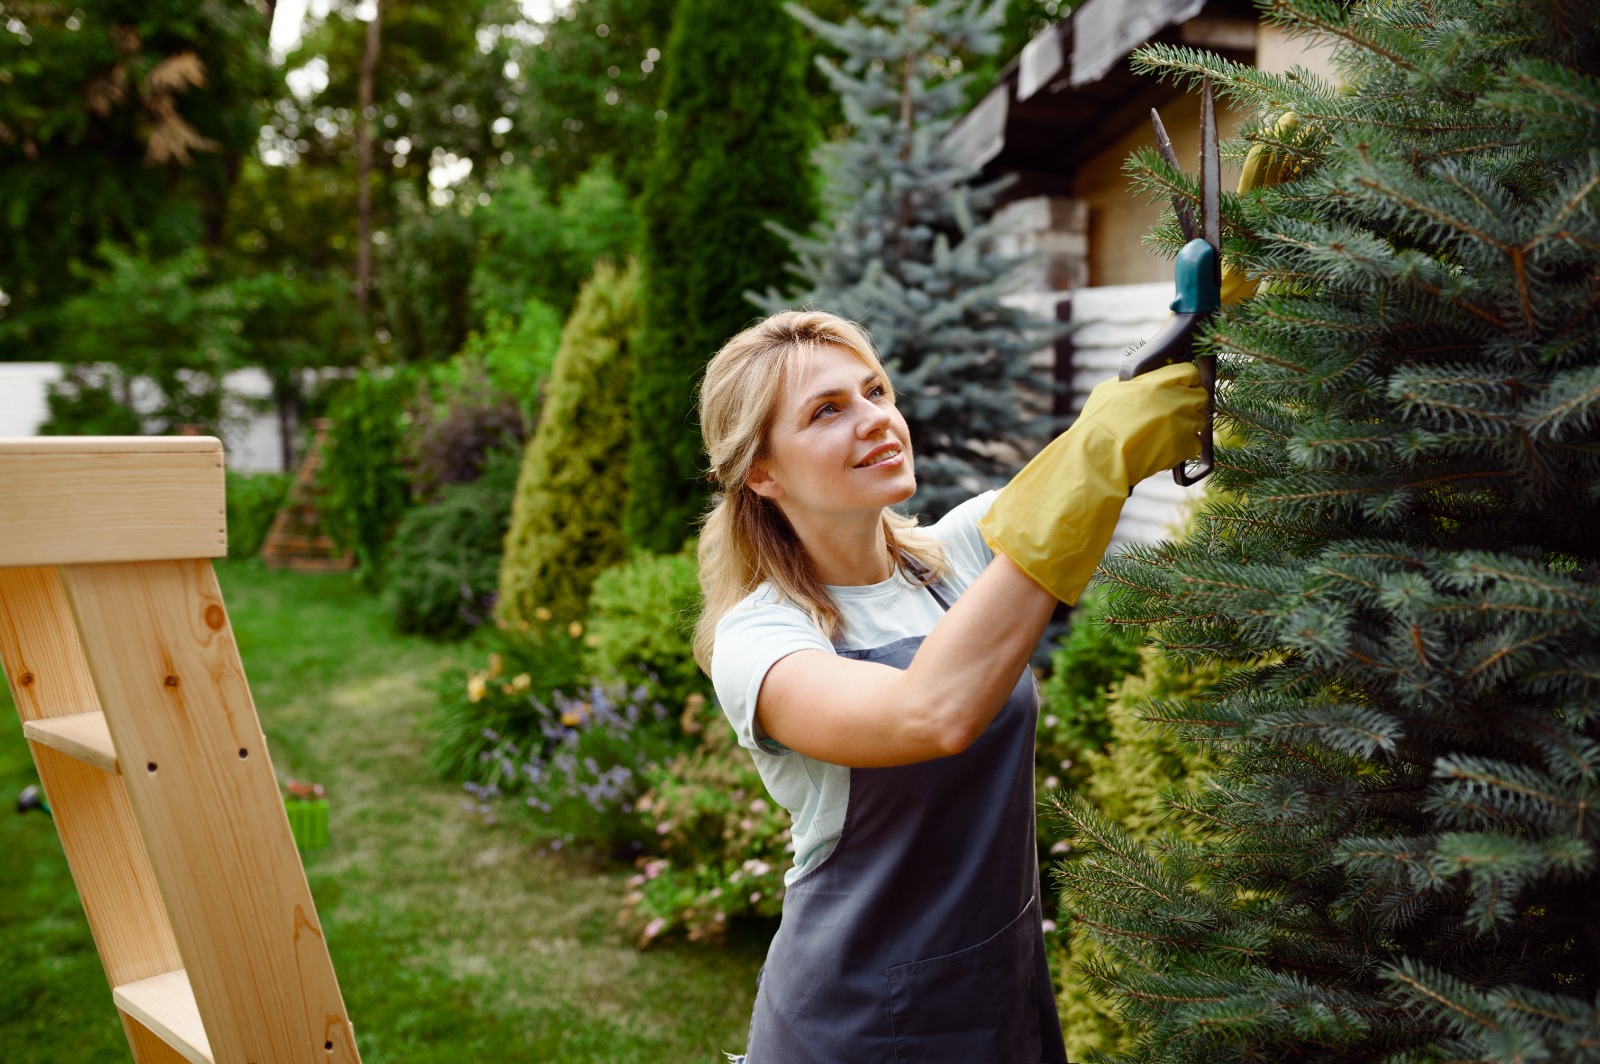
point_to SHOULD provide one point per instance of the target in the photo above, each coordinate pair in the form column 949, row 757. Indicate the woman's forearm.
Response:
column 967, row 666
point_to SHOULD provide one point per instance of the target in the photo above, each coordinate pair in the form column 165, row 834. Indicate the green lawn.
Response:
column 453, row 940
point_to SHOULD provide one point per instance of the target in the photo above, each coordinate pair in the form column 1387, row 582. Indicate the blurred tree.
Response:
column 732, row 158
column 589, row 88
column 120, row 126
column 167, row 321
column 535, row 246
column 910, row 248
column 439, row 82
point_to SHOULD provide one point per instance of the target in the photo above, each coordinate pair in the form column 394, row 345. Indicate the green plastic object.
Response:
column 1197, row 278
column 308, row 822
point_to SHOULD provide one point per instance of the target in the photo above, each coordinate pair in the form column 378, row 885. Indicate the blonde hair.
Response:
column 745, row 541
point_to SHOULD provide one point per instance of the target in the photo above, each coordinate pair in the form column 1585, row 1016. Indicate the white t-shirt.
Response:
column 763, row 628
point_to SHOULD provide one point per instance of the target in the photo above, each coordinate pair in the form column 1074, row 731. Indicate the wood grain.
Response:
column 77, row 500
column 165, row 1005
column 50, row 681
column 81, row 735
column 195, row 765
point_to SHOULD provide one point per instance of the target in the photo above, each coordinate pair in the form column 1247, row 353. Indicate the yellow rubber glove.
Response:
column 1056, row 517
column 1262, row 169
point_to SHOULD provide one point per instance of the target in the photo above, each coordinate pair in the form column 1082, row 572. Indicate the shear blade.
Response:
column 1180, row 206
column 1210, row 172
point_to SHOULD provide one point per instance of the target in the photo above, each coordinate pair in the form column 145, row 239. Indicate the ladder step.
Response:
column 165, row 1004
column 80, row 735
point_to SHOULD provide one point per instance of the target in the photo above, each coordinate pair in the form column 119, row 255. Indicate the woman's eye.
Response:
column 825, row 408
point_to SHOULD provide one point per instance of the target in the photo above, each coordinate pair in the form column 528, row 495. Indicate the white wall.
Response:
column 250, row 437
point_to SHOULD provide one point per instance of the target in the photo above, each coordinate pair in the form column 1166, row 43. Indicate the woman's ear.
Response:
column 760, row 481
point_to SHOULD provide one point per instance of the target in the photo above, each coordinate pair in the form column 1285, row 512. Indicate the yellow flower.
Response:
column 475, row 689
column 591, row 640
column 542, row 613
column 571, row 719
column 575, row 629
column 521, row 681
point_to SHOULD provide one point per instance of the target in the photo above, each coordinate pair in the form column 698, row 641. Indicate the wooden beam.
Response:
column 201, row 784
column 71, row 500
column 50, row 682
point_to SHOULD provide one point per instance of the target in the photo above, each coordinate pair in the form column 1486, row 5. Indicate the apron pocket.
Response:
column 974, row 1006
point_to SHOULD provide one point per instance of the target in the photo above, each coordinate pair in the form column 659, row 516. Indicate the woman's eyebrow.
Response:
column 831, row 392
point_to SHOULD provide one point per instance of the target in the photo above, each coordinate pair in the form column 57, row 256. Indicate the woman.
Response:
column 877, row 673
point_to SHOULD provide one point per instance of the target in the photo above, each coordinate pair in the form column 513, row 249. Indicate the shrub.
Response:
column 1129, row 779
column 366, row 488
column 722, row 846
column 641, row 622
column 580, row 778
column 458, row 420
column 86, row 402
column 508, row 698
column 444, row 561
column 1072, row 700
column 566, row 520
column 253, row 500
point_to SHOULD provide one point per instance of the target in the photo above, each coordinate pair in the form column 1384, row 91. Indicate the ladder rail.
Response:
column 120, row 656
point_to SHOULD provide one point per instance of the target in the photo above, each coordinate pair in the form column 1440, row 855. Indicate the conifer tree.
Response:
column 732, row 157
column 1399, row 853
column 908, row 248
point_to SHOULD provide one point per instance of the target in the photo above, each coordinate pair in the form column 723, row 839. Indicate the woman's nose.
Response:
column 874, row 420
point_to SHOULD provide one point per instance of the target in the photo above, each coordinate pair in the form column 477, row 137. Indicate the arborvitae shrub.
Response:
column 732, row 157
column 566, row 520
column 1395, row 859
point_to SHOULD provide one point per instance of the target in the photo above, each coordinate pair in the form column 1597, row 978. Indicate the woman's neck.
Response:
column 847, row 555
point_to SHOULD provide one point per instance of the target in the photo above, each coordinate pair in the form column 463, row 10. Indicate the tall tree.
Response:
column 119, row 127
column 1400, row 853
column 908, row 247
column 732, row 158
column 364, row 124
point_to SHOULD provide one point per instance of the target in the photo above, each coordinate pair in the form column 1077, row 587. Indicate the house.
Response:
column 1061, row 120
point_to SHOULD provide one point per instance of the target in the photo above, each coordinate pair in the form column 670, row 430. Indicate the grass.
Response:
column 453, row 940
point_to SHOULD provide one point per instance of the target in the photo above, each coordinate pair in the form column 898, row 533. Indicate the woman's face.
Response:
column 837, row 445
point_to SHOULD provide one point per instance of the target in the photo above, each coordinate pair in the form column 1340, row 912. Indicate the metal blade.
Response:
column 1210, row 172
column 1180, row 206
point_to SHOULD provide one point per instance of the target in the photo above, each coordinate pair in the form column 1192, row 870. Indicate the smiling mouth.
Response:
column 881, row 455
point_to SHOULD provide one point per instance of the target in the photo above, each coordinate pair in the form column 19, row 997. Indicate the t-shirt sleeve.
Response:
column 965, row 548
column 750, row 639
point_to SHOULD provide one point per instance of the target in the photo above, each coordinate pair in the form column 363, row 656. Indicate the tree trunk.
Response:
column 364, row 129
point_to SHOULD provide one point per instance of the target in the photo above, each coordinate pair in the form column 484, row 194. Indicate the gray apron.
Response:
column 918, row 940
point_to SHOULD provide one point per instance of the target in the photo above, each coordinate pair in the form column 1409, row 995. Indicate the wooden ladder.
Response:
column 118, row 651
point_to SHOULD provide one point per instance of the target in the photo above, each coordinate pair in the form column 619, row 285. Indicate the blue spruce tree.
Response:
column 1399, row 849
column 908, row 244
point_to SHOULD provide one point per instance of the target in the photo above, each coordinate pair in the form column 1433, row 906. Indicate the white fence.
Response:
column 250, row 433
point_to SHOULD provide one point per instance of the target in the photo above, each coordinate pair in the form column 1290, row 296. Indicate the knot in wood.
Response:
column 171, row 681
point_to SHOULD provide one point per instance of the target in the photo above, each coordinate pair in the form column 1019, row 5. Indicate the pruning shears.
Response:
column 1198, row 278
